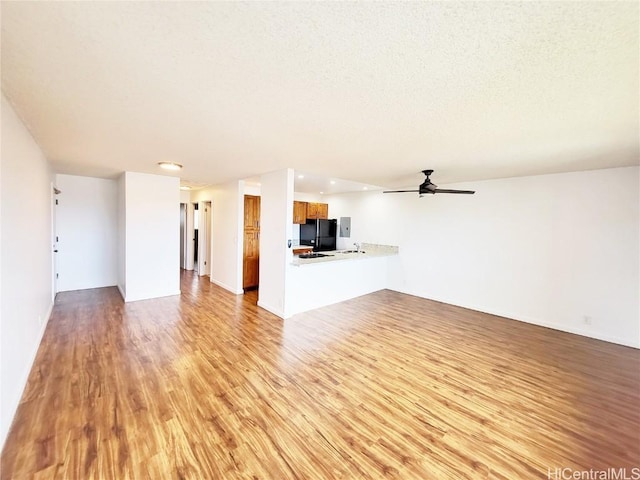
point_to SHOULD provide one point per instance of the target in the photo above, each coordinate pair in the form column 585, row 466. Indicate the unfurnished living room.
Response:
column 320, row 240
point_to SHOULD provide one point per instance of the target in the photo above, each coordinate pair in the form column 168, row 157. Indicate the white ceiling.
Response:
column 371, row 92
column 304, row 182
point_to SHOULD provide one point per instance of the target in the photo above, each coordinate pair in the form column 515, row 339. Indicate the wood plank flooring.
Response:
column 208, row 386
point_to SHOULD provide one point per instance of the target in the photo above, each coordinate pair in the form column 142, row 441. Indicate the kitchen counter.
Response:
column 318, row 282
column 367, row 250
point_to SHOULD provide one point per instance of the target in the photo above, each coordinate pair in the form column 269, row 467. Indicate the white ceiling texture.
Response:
column 370, row 92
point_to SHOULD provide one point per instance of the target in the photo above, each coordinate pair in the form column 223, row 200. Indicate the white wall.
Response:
column 276, row 213
column 227, row 219
column 122, row 235
column 309, row 197
column 317, row 285
column 26, row 258
column 185, row 196
column 87, row 230
column 152, row 240
column 252, row 190
column 548, row 249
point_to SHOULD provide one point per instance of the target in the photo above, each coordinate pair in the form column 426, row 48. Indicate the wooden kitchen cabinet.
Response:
column 312, row 211
column 251, row 253
column 299, row 212
column 317, row 211
column 323, row 211
column 302, row 249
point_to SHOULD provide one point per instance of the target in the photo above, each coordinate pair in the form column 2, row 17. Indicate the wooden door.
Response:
column 251, row 263
column 251, row 253
column 251, row 212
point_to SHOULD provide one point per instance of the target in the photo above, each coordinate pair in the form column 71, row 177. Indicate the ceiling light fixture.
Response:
column 185, row 187
column 333, row 182
column 321, row 193
column 300, row 176
column 365, row 188
column 170, row 165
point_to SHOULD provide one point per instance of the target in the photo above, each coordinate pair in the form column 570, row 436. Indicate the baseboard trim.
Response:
column 139, row 299
column 25, row 377
column 533, row 321
column 270, row 309
column 226, row 287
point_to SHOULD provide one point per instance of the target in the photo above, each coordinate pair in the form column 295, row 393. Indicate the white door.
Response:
column 205, row 233
column 54, row 243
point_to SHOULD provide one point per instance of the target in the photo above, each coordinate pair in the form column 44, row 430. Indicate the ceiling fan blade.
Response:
column 445, row 190
column 401, row 191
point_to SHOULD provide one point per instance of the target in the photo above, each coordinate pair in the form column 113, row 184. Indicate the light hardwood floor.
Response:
column 208, row 386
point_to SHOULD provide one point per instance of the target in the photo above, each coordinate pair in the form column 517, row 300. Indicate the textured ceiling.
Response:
column 371, row 92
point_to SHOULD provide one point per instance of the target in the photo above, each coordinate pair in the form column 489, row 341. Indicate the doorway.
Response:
column 196, row 240
column 183, row 236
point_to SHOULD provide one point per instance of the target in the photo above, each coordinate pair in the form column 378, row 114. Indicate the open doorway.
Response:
column 196, row 240
column 183, row 236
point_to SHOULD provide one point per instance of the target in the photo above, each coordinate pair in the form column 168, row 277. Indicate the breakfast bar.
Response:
column 337, row 276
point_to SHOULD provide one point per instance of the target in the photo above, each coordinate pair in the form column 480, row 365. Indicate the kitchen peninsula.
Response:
column 317, row 282
column 366, row 251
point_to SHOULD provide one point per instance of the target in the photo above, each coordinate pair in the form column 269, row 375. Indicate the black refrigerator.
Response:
column 320, row 234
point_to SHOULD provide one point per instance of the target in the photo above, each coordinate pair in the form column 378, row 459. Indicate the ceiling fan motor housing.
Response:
column 427, row 187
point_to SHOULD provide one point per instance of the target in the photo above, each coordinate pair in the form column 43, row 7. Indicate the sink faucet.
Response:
column 357, row 247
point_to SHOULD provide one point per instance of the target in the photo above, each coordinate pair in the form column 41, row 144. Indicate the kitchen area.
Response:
column 320, row 273
column 302, row 248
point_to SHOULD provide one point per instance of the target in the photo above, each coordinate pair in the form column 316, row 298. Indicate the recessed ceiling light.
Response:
column 333, row 182
column 321, row 193
column 185, row 187
column 259, row 184
column 300, row 176
column 365, row 188
column 170, row 165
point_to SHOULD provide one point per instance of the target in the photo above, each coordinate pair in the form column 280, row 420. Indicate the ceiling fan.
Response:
column 428, row 187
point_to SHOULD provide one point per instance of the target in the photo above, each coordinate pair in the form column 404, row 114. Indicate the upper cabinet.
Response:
column 323, row 211
column 303, row 211
column 312, row 210
column 299, row 212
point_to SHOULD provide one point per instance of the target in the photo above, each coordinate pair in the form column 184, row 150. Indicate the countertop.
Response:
column 370, row 251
